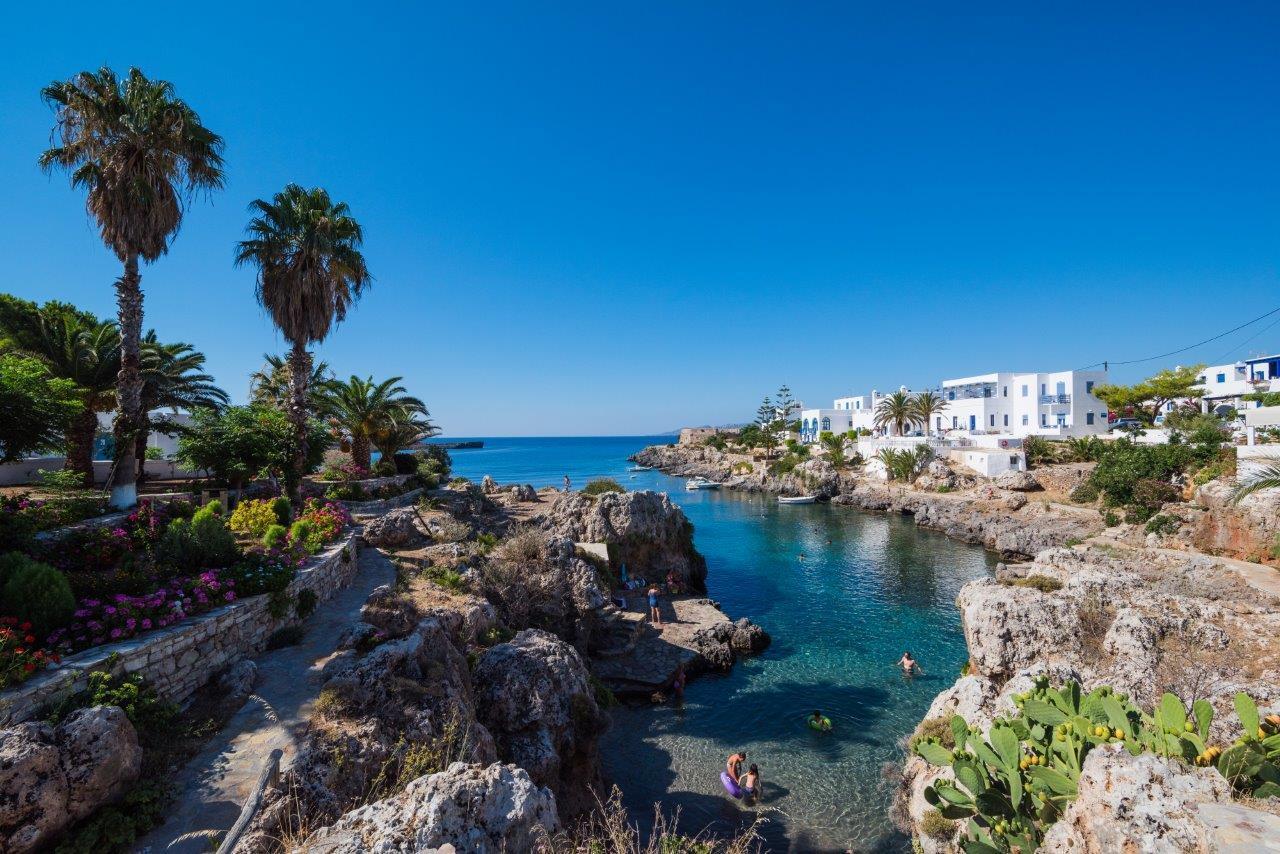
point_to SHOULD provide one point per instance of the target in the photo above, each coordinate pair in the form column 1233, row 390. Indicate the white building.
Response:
column 847, row 413
column 1226, row 385
column 1059, row 403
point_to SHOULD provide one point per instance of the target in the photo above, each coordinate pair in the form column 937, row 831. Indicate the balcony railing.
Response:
column 1055, row 398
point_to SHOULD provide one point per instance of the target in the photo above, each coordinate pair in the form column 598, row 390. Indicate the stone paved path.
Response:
column 651, row 665
column 218, row 780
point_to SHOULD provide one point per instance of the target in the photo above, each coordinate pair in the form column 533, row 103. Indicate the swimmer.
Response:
column 818, row 722
column 750, row 783
column 908, row 664
column 734, row 764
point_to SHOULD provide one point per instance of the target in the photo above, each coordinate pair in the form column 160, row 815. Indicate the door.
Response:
column 973, row 422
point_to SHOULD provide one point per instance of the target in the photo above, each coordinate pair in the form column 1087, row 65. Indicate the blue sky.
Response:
column 591, row 218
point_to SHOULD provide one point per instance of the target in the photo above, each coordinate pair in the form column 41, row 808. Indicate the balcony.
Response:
column 1054, row 399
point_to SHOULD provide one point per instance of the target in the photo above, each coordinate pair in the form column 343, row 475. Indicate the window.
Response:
column 993, row 419
column 955, row 422
column 951, row 395
column 1006, row 420
column 1024, row 421
column 1042, row 388
column 1004, row 391
column 1024, row 391
column 1088, row 387
column 1088, row 418
column 939, row 422
column 1222, row 378
column 826, row 423
column 1044, row 420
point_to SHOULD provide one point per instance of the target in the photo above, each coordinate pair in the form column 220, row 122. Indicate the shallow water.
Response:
column 868, row 588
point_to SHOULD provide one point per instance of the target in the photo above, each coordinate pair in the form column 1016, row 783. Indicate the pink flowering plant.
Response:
column 120, row 617
column 328, row 518
column 345, row 472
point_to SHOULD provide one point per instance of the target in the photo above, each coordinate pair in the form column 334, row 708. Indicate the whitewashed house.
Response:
column 1224, row 386
column 1059, row 403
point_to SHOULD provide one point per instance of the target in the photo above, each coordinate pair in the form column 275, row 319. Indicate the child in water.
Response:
column 908, row 664
column 820, row 723
column 750, row 783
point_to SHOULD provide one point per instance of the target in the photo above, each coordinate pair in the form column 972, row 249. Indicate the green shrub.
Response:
column 275, row 537
column 1123, row 465
column 152, row 716
column 1043, row 583
column 448, row 579
column 36, row 593
column 384, row 468
column 283, row 509
column 61, row 480
column 278, row 604
column 214, row 507
column 253, row 517
column 1037, row 450
column 601, row 485
column 286, row 636
column 1111, row 518
column 303, row 534
column 1085, row 493
column 715, row 441
column 306, row 604
column 346, row 492
column 202, row 542
column 936, row 826
column 117, row 827
column 1162, row 524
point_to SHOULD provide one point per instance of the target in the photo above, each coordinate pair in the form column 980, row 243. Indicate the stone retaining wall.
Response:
column 377, row 508
column 368, row 484
column 178, row 660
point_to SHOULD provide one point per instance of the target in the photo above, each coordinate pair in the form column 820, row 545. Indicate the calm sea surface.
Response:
column 868, row 588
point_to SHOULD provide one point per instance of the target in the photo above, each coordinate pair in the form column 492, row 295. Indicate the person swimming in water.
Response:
column 734, row 764
column 818, row 722
column 750, row 783
column 908, row 664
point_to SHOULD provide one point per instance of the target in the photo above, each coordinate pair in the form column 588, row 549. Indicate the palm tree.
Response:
column 173, row 377
column 310, row 271
column 1267, row 477
column 401, row 431
column 270, row 385
column 87, row 354
column 361, row 407
column 925, row 406
column 896, row 411
column 141, row 153
column 834, row 445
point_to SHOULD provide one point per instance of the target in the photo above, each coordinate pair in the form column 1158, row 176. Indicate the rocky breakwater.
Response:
column 743, row 472
column 644, row 530
column 1143, row 622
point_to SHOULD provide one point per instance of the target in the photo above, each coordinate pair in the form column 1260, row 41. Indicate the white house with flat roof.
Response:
column 1059, row 403
column 1225, row 386
column 857, row 412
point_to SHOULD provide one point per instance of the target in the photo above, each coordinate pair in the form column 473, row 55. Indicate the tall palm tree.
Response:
column 925, row 406
column 310, row 271
column 896, row 411
column 1267, row 477
column 270, row 385
column 87, row 354
column 173, row 377
column 400, row 431
column 361, row 407
column 141, row 153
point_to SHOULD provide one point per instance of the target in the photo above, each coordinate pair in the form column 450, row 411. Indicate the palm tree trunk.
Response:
column 80, row 435
column 140, row 450
column 299, row 375
column 124, row 488
column 360, row 451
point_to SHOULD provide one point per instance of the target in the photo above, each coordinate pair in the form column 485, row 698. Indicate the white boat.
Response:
column 797, row 499
column 700, row 483
column 640, row 468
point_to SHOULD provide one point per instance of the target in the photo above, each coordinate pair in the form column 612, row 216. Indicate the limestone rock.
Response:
column 648, row 532
column 1020, row 481
column 524, row 492
column 236, row 683
column 722, row 643
column 534, row 696
column 1140, row 804
column 490, row 810
column 1008, row 628
column 488, row 486
column 394, row 530
column 52, row 777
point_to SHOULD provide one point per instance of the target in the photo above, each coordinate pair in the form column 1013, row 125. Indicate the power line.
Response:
column 1184, row 349
column 1252, row 337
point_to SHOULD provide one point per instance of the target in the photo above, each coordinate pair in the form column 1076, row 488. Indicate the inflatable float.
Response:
column 823, row 725
column 730, row 785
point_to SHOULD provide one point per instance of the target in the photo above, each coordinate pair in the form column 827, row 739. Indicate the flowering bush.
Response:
column 20, row 655
column 265, row 571
column 345, row 472
column 254, row 517
column 327, row 518
column 88, row 550
column 21, row 516
column 121, row 616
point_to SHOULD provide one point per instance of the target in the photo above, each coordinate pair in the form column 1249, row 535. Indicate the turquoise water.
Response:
column 868, row 588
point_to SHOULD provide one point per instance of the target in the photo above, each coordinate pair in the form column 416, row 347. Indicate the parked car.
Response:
column 1124, row 425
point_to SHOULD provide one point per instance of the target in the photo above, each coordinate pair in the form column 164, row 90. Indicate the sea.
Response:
column 842, row 592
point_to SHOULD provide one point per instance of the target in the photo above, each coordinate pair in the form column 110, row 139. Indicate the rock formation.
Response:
column 54, row 776
column 644, row 529
column 491, row 810
column 395, row 530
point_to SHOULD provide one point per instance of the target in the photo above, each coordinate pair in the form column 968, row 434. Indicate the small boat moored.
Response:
column 797, row 499
column 640, row 468
column 700, row 483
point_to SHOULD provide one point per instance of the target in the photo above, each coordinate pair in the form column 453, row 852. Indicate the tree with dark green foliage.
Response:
column 173, row 377
column 242, row 442
column 306, row 248
column 35, row 408
column 362, row 408
column 766, row 421
column 1147, row 398
column 140, row 153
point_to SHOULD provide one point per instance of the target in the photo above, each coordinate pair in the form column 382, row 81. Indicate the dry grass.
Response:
column 1096, row 617
column 608, row 829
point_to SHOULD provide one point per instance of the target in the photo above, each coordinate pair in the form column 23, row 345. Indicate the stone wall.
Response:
column 178, row 660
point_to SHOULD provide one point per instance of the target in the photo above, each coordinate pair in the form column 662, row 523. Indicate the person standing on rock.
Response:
column 566, row 483
column 654, row 613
